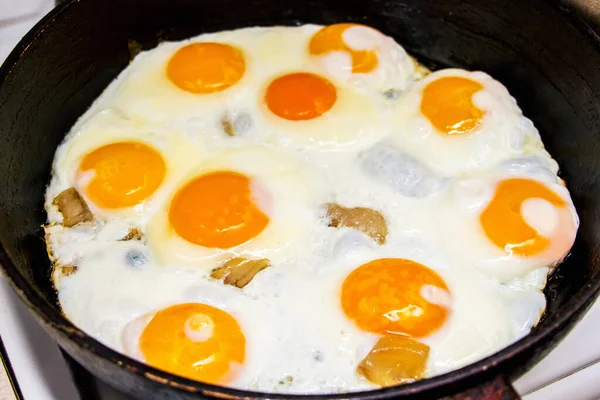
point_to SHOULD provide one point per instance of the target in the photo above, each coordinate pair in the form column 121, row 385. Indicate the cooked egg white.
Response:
column 231, row 144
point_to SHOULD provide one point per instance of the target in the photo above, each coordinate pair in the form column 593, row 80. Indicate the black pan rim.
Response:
column 50, row 316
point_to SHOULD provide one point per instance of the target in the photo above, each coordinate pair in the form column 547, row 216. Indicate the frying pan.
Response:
column 548, row 59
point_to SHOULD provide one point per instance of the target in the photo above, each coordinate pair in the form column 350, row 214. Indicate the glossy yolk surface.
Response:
column 195, row 341
column 206, row 67
column 217, row 210
column 121, row 174
column 300, row 96
column 385, row 296
column 503, row 222
column 330, row 38
column 448, row 105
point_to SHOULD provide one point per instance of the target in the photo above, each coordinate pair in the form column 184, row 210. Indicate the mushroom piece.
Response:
column 72, row 207
column 227, row 126
column 133, row 234
column 236, row 124
column 239, row 271
column 65, row 270
column 366, row 220
column 395, row 360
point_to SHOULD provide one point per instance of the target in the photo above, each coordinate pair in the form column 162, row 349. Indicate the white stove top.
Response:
column 570, row 371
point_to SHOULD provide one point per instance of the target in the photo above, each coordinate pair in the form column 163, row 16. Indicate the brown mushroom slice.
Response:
column 239, row 271
column 366, row 220
column 60, row 270
column 66, row 270
column 236, row 124
column 73, row 207
column 133, row 234
column 395, row 360
column 227, row 126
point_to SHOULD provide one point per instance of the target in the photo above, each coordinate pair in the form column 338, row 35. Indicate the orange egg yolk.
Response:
column 331, row 38
column 121, row 174
column 448, row 105
column 206, row 67
column 195, row 341
column 386, row 296
column 217, row 210
column 300, row 96
column 503, row 222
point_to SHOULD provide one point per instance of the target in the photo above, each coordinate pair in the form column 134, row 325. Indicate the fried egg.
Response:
column 463, row 315
column 509, row 223
column 457, row 121
column 253, row 201
column 307, row 110
column 362, row 56
column 120, row 167
column 303, row 210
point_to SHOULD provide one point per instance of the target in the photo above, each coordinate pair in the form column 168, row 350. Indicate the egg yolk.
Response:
column 206, row 67
column 448, row 104
column 331, row 38
column 195, row 341
column 121, row 174
column 300, row 96
column 386, row 296
column 503, row 222
column 217, row 210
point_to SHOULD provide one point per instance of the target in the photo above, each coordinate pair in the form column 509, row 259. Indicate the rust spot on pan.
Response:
column 210, row 393
column 187, row 388
column 155, row 378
